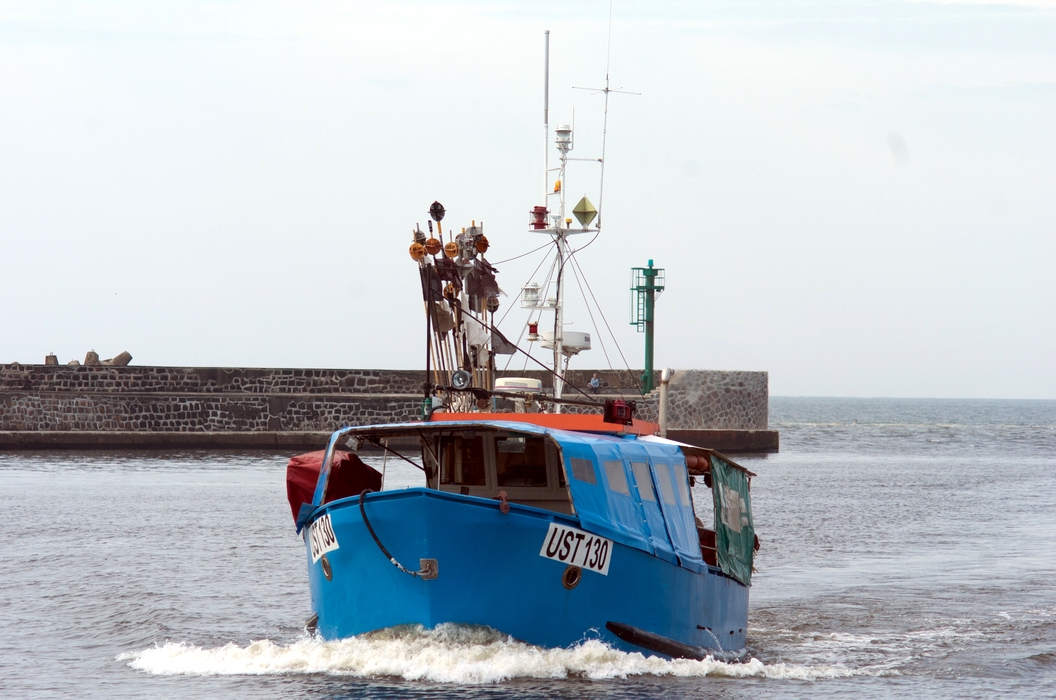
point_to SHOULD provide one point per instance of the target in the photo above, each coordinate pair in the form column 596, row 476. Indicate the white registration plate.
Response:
column 322, row 538
column 571, row 546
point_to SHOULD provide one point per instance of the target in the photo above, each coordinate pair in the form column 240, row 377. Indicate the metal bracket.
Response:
column 428, row 569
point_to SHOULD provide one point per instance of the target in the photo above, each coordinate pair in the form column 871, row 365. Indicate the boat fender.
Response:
column 429, row 568
column 658, row 643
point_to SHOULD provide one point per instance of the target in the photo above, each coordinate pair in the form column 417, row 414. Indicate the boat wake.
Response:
column 446, row 654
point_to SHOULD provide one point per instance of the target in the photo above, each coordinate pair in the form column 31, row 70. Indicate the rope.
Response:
column 521, row 255
column 392, row 559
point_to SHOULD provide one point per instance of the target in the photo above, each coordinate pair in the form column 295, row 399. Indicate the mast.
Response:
column 546, row 115
column 552, row 221
column 563, row 134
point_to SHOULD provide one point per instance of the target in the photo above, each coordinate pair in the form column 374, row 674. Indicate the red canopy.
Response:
column 348, row 477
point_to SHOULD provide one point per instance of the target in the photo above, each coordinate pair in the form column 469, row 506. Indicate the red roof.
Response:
column 583, row 423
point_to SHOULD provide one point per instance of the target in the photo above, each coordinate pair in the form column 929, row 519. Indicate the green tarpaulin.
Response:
column 734, row 531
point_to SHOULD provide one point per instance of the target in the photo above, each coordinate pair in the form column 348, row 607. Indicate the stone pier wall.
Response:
column 715, row 400
column 191, row 399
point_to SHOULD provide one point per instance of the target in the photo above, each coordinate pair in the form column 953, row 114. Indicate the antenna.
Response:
column 605, row 120
column 546, row 115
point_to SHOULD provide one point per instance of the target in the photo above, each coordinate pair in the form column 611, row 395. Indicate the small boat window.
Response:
column 644, row 481
column 583, row 470
column 617, row 477
column 663, row 477
column 683, row 484
column 520, row 461
column 463, row 461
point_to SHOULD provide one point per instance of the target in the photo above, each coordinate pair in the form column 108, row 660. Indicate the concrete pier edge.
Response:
column 306, row 441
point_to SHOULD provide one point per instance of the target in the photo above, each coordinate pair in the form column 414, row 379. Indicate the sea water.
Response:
column 908, row 549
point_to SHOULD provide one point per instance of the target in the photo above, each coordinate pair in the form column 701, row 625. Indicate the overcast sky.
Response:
column 859, row 198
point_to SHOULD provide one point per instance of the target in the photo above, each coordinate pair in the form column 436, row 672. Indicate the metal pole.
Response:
column 558, row 334
column 650, row 296
column 665, row 380
column 546, row 118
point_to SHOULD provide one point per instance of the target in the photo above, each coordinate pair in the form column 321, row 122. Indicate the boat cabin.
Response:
column 634, row 489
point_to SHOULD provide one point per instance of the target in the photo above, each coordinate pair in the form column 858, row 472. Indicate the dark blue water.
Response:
column 909, row 549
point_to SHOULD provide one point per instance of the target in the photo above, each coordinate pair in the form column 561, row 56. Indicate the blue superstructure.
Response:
column 549, row 535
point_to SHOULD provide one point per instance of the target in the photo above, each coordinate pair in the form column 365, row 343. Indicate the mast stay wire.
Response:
column 609, row 329
column 580, row 281
column 607, row 90
column 582, row 274
column 491, row 327
column 515, row 257
column 530, row 278
column 604, row 350
column 494, row 329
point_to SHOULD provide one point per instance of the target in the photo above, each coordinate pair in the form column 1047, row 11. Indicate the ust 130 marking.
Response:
column 322, row 537
column 583, row 549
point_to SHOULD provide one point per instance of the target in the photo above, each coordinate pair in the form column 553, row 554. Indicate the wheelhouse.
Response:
column 484, row 461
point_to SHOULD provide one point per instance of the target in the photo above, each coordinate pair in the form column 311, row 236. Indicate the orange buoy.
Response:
column 433, row 246
column 417, row 251
column 451, row 250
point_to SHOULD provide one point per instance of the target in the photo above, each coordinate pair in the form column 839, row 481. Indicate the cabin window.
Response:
column 583, row 470
column 663, row 477
column 528, row 467
column 463, row 461
column 644, row 481
column 520, row 461
column 617, row 477
column 683, row 485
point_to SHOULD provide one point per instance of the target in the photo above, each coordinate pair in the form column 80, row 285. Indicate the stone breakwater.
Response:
column 714, row 400
column 190, row 399
column 247, row 400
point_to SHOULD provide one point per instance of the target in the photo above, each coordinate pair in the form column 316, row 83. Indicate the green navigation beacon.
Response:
column 646, row 284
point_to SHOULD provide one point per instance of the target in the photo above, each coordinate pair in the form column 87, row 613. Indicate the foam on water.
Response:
column 447, row 654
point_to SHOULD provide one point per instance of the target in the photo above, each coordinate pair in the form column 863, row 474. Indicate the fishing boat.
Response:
column 548, row 518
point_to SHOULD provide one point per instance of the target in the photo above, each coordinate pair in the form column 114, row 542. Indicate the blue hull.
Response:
column 491, row 573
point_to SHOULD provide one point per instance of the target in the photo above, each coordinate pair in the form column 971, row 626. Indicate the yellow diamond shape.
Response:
column 585, row 212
